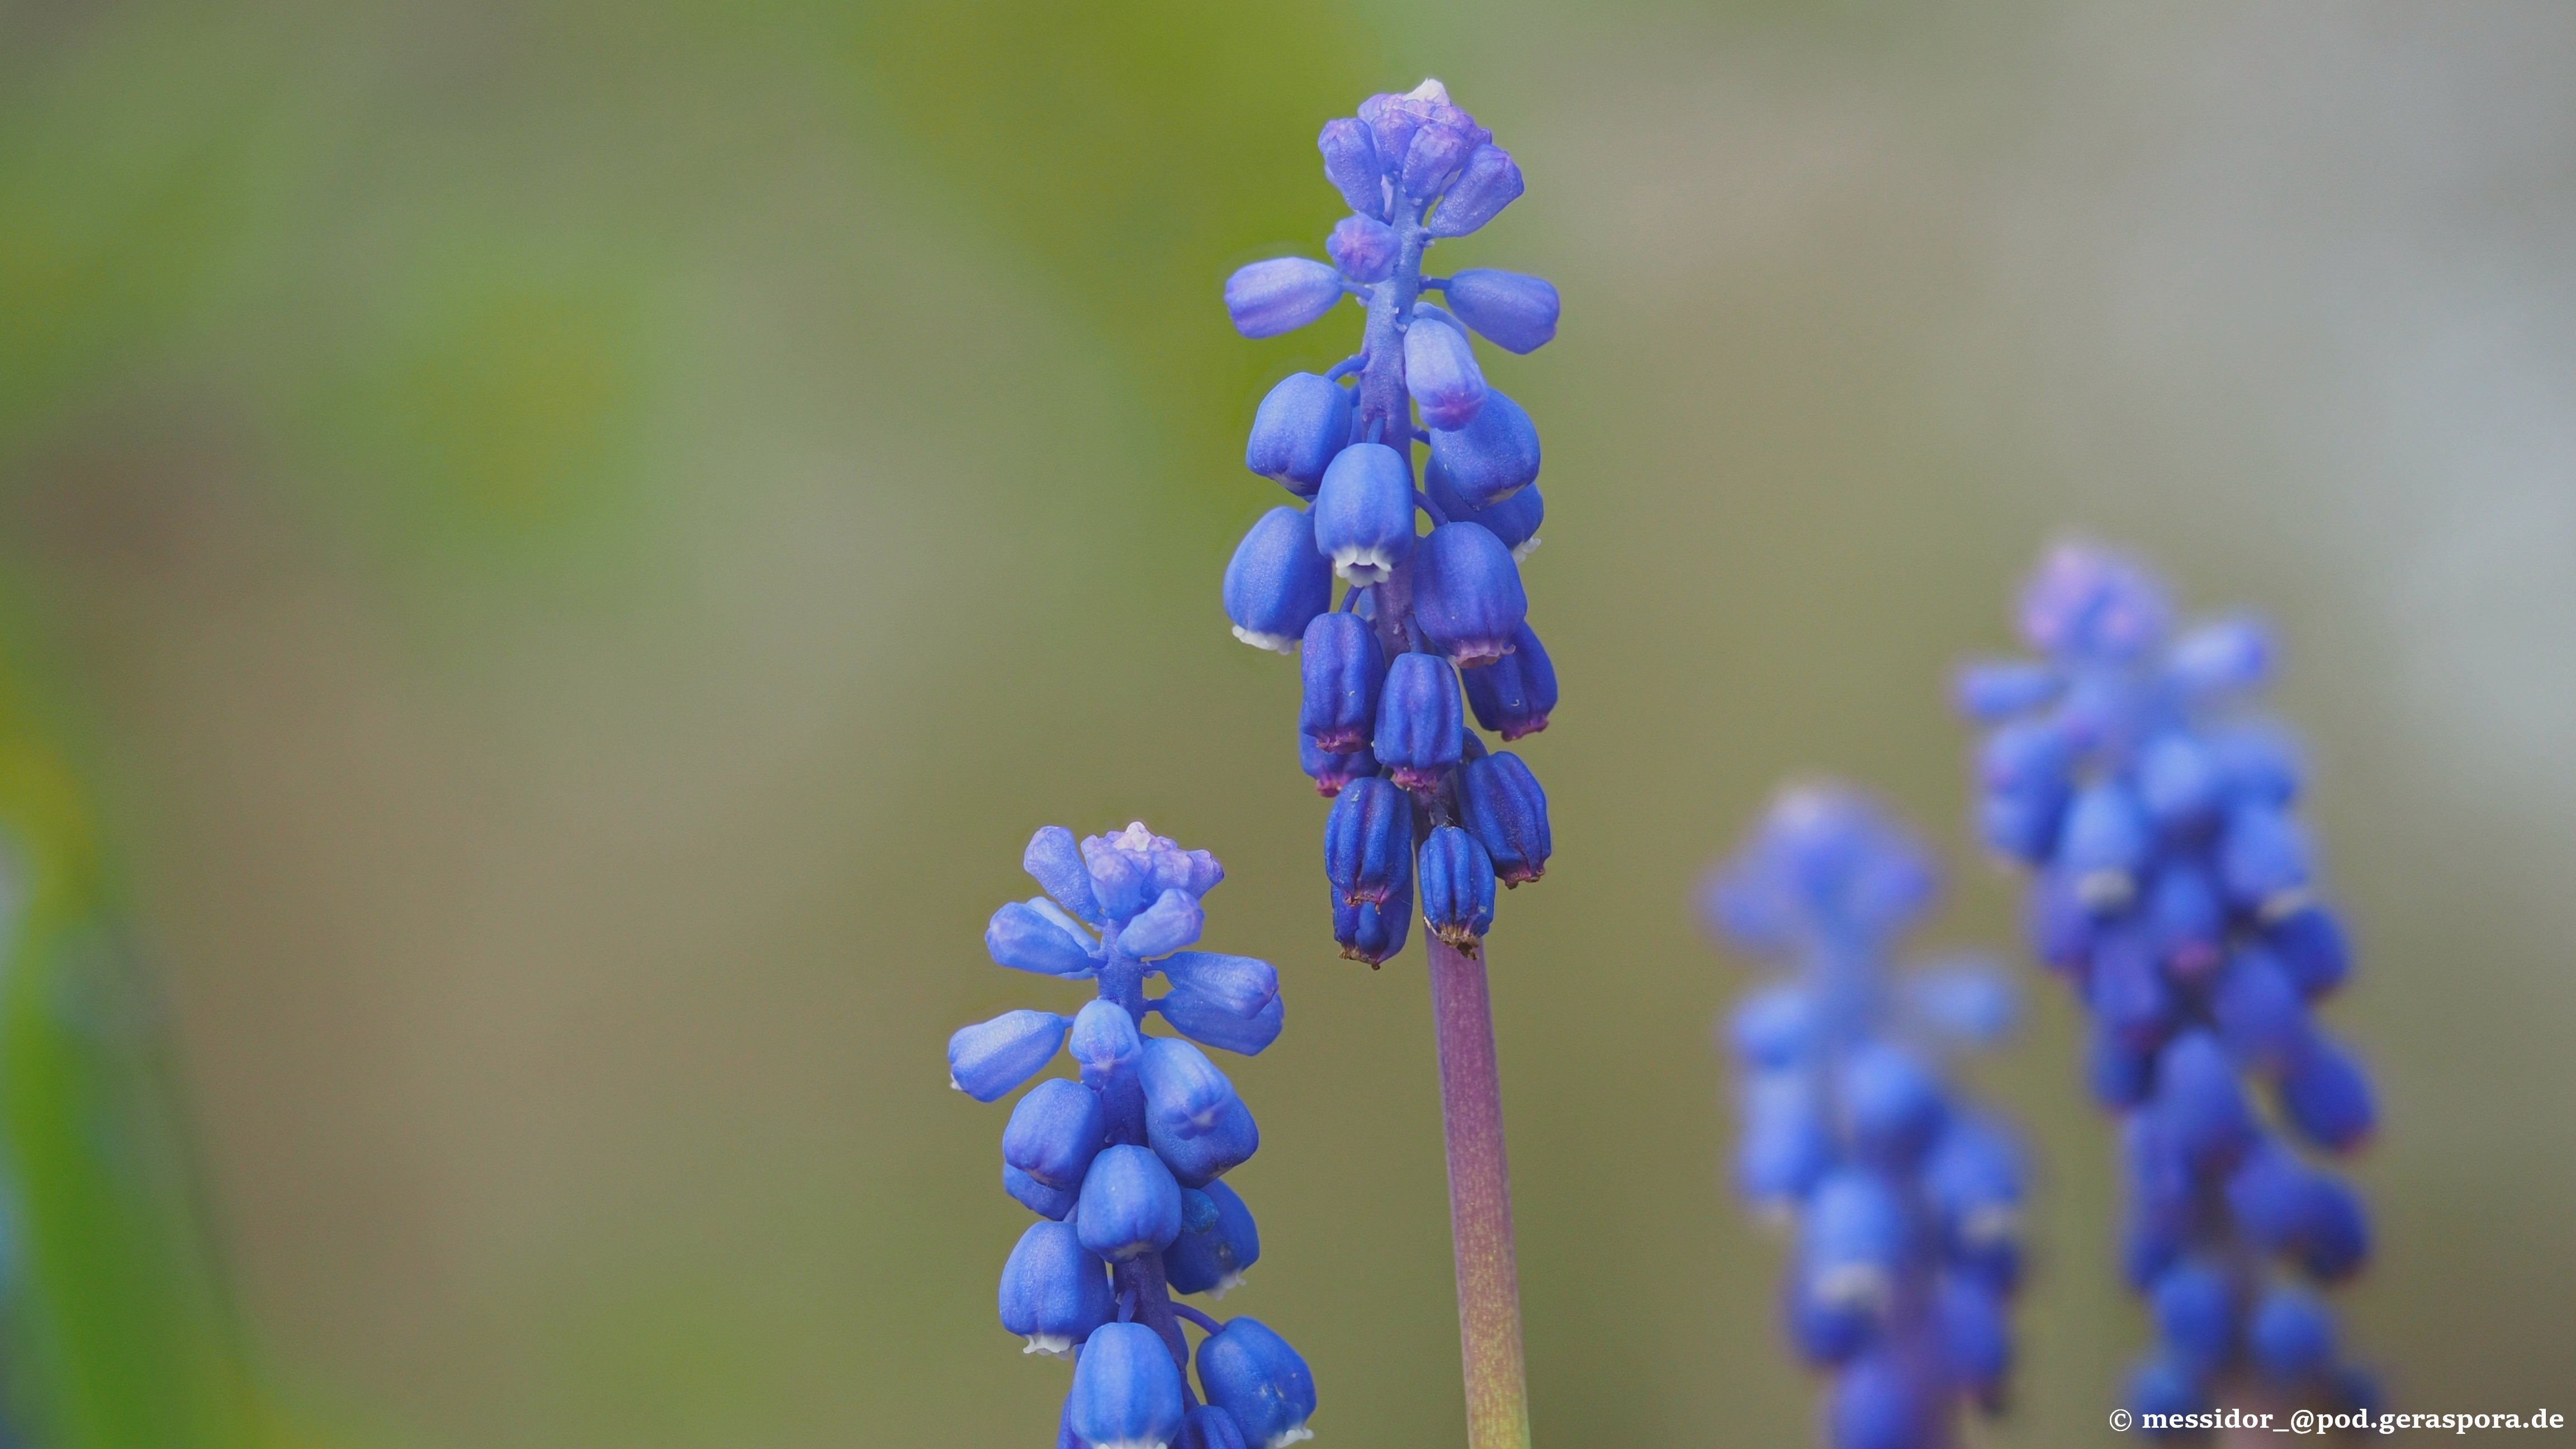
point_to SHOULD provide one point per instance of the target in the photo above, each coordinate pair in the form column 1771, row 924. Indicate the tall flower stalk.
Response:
column 2173, row 887
column 1905, row 1197
column 1122, row 1164
column 1423, row 808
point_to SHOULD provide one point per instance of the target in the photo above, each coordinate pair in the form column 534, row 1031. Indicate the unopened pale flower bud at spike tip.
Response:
column 1172, row 922
column 1301, row 424
column 1440, row 372
column 1277, row 582
column 1363, row 518
column 1467, row 595
column 1278, row 296
column 986, row 1061
column 1055, row 1292
column 1250, row 1372
column 1127, row 1391
column 1512, row 310
column 1351, row 164
column 1486, row 182
column 1491, row 458
column 1439, row 152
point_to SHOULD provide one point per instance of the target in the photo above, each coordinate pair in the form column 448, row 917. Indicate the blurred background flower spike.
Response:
column 1903, row 1198
column 2128, row 773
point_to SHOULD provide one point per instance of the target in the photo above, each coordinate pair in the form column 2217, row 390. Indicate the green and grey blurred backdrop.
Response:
column 570, row 544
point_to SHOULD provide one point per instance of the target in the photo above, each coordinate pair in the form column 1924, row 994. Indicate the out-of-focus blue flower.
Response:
column 2172, row 885
column 1906, row 1201
column 1415, row 169
column 1123, row 1162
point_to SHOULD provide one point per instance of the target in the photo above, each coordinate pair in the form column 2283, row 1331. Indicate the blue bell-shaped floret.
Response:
column 1976, row 1336
column 1514, row 519
column 1193, row 1119
column 1054, row 1133
column 1467, row 594
column 1788, row 1144
column 2290, row 1335
column 1210, row 1427
column 1513, row 696
column 1516, row 313
column 1368, row 842
column 1055, row 1292
column 1268, row 298
column 2166, row 1386
column 1457, row 882
column 1106, row 1045
column 2261, row 1017
column 1364, row 512
column 987, row 1060
column 1891, row 1099
column 1440, row 372
column 1036, row 1196
column 2199, row 1099
column 1419, row 721
column 1171, row 923
column 2186, row 918
column 2128, row 991
column 1775, row 1028
column 1331, row 771
column 2195, row 1311
column 1991, row 691
column 1127, row 1391
column 1438, row 153
column 2105, row 845
column 1130, row 1204
column 1372, row 931
column 2179, row 782
column 1212, row 1257
column 1491, row 458
column 1501, row 804
column 1277, row 583
column 1857, row 1239
column 1252, row 1374
column 2263, row 861
column 1301, row 424
column 2220, row 658
column 1883, row 1400
column 2310, row 946
column 2327, row 1096
column 1343, row 668
column 1211, row 1025
column 1241, row 985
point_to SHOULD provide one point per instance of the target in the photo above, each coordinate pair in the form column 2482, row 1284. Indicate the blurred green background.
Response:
column 571, row 544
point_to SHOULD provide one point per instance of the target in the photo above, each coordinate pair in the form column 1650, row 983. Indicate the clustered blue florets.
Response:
column 1425, row 616
column 1123, row 1164
column 2175, row 891
column 1905, row 1198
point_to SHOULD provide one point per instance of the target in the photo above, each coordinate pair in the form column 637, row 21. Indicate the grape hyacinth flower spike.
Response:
column 2172, row 886
column 1123, row 1163
column 1432, row 629
column 1904, row 1198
